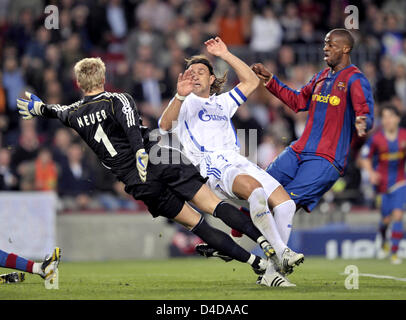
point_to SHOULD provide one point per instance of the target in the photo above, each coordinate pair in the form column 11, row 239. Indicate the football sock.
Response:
column 263, row 219
column 232, row 217
column 397, row 235
column 221, row 241
column 283, row 214
column 382, row 230
column 236, row 233
column 257, row 263
column 11, row 260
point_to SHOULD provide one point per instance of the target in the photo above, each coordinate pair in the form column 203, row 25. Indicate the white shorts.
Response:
column 221, row 167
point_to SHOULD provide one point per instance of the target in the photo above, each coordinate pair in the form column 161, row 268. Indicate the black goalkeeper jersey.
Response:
column 111, row 126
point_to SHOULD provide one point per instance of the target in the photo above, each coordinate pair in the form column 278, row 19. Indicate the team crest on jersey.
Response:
column 341, row 85
column 334, row 101
column 205, row 116
column 127, row 109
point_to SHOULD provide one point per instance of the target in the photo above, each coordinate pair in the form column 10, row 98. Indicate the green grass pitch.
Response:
column 199, row 278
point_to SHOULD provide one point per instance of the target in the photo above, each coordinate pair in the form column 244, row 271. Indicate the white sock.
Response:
column 263, row 219
column 283, row 214
column 36, row 268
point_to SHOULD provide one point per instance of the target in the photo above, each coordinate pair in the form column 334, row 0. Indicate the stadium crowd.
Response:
column 144, row 44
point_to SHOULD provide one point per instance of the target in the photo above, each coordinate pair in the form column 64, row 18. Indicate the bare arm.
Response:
column 248, row 79
column 366, row 164
column 171, row 113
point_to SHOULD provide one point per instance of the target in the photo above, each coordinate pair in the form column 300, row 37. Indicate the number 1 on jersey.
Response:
column 101, row 136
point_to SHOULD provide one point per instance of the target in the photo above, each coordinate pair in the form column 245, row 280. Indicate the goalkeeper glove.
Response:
column 29, row 108
column 142, row 163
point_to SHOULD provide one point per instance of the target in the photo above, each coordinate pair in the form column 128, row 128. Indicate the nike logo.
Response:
column 294, row 195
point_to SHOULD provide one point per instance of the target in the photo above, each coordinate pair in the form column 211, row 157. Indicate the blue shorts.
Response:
column 306, row 179
column 393, row 200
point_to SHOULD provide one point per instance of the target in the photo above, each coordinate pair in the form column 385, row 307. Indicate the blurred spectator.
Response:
column 291, row 23
column 286, row 61
column 310, row 10
column 13, row 81
column 116, row 19
column 308, row 35
column 146, row 87
column 46, row 174
column 37, row 47
column 385, row 87
column 266, row 33
column 268, row 149
column 61, row 143
column 392, row 38
column 27, row 149
column 8, row 177
column 159, row 13
column 400, row 83
column 143, row 36
column 230, row 22
column 75, row 182
column 20, row 33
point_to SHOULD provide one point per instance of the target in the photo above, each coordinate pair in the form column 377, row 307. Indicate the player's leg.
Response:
column 216, row 238
column 398, row 203
column 228, row 170
column 247, row 187
column 208, row 202
column 284, row 209
column 386, row 210
column 396, row 234
column 45, row 269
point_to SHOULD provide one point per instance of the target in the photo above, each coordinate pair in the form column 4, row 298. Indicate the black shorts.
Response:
column 168, row 186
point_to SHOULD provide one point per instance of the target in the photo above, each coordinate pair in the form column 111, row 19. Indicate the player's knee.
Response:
column 397, row 215
column 245, row 184
column 288, row 206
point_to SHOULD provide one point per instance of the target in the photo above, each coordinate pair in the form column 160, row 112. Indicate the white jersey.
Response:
column 209, row 140
column 204, row 124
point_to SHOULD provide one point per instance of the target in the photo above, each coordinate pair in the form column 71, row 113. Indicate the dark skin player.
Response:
column 338, row 45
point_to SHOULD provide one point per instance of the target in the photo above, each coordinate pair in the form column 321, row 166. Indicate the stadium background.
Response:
column 144, row 44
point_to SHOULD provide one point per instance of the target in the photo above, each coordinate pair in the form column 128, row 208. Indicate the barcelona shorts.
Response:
column 393, row 200
column 306, row 178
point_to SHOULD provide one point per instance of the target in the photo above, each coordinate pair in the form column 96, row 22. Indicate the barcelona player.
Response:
column 45, row 269
column 339, row 102
column 383, row 158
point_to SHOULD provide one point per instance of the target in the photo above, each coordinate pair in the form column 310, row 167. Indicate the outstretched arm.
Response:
column 248, row 80
column 171, row 113
column 297, row 100
column 35, row 107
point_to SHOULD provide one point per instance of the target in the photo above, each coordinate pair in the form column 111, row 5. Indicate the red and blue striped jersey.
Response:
column 388, row 157
column 333, row 100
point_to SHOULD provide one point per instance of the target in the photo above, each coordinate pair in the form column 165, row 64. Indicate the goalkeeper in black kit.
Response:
column 111, row 125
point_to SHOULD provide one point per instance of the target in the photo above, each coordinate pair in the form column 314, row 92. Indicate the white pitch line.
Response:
column 378, row 276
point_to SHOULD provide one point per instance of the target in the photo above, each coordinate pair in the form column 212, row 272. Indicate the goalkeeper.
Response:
column 110, row 124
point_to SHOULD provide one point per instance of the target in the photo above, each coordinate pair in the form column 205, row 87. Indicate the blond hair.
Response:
column 90, row 73
column 219, row 82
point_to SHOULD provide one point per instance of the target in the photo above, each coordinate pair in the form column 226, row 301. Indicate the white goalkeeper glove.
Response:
column 142, row 163
column 29, row 108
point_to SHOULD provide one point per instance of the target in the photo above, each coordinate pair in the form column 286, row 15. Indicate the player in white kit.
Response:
column 201, row 118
